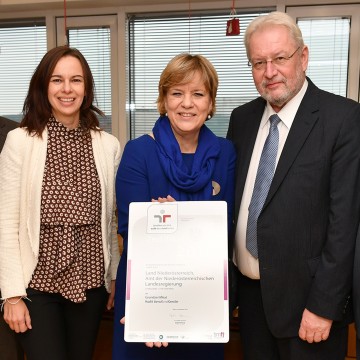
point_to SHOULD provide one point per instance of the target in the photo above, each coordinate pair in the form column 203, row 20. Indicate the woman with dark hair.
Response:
column 180, row 159
column 58, row 248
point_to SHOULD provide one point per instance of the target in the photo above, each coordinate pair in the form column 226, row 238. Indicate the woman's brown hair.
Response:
column 37, row 109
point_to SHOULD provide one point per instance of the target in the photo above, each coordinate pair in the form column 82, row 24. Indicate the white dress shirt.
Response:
column 247, row 264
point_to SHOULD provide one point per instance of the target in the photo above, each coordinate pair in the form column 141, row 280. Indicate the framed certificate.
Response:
column 177, row 283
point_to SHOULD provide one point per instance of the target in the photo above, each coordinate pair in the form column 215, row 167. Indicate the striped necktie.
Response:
column 262, row 184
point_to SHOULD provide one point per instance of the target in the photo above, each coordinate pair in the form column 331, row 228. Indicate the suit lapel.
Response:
column 304, row 121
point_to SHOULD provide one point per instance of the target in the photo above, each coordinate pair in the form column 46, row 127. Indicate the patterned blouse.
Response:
column 71, row 253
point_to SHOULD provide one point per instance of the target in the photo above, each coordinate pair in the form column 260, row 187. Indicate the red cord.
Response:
column 189, row 25
column 65, row 26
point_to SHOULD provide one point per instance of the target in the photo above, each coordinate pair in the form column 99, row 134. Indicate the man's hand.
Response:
column 314, row 328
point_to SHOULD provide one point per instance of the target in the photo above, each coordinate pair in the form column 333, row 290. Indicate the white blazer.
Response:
column 22, row 164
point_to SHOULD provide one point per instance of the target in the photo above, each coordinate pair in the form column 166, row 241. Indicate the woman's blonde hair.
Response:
column 180, row 70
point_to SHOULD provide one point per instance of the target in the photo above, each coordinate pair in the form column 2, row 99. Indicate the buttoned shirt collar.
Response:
column 288, row 112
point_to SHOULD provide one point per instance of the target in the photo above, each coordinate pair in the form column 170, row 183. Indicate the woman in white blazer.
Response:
column 58, row 244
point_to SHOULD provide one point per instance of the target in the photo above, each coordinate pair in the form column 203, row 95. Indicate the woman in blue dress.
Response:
column 183, row 160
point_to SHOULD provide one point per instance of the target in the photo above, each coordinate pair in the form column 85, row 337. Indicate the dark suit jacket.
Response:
column 5, row 126
column 356, row 286
column 307, row 228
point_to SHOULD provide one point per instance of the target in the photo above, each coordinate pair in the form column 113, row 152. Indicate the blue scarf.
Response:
column 185, row 185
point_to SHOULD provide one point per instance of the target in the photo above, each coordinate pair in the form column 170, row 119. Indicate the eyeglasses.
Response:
column 278, row 61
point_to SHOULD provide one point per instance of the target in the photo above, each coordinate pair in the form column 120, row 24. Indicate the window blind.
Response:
column 94, row 44
column 155, row 39
column 328, row 41
column 22, row 46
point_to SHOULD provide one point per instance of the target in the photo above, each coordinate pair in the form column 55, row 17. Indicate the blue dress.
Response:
column 141, row 178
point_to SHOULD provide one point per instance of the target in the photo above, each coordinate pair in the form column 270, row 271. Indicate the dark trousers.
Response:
column 62, row 329
column 10, row 348
column 259, row 343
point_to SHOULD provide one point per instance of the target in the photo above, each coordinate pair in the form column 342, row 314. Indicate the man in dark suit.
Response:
column 356, row 294
column 295, row 282
column 5, row 126
column 9, row 347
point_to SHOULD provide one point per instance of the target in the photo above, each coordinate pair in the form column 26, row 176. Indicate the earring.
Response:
column 209, row 117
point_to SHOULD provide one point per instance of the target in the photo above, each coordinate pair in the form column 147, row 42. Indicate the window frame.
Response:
column 352, row 11
column 77, row 22
column 227, row 98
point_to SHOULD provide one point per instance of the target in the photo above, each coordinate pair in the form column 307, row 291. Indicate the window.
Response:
column 22, row 46
column 328, row 42
column 332, row 34
column 94, row 44
column 154, row 40
column 96, row 37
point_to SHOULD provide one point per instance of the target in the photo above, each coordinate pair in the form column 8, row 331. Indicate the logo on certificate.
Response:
column 162, row 218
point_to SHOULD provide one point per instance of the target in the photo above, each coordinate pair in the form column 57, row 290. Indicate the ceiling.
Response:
column 29, row 5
